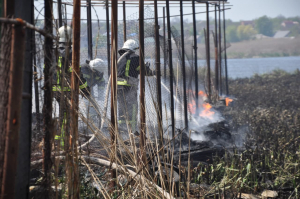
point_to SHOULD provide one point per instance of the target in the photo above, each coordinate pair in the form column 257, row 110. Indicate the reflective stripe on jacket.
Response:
column 57, row 87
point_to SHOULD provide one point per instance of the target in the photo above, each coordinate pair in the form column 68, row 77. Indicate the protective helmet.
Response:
column 131, row 45
column 97, row 64
column 65, row 34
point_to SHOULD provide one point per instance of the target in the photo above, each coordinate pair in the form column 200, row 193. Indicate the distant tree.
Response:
column 245, row 32
column 264, row 26
column 277, row 21
column 231, row 34
column 295, row 31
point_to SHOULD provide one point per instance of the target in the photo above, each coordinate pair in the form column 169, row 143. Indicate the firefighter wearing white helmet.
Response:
column 65, row 34
column 91, row 71
column 64, row 63
column 128, row 72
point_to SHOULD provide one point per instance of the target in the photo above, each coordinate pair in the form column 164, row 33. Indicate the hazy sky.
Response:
column 240, row 9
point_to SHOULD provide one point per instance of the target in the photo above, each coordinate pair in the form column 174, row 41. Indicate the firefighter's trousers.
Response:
column 127, row 107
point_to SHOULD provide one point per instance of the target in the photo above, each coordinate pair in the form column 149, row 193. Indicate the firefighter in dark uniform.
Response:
column 128, row 72
column 91, row 71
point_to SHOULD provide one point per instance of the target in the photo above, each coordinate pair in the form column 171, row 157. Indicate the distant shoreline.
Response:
column 258, row 48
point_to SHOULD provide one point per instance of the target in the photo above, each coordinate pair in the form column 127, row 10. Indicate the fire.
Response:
column 201, row 93
column 192, row 107
column 207, row 112
column 204, row 107
column 228, row 100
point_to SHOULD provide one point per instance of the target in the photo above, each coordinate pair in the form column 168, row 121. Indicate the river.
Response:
column 241, row 68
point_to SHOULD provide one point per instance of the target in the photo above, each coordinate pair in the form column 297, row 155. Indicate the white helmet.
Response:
column 131, row 45
column 65, row 34
column 97, row 64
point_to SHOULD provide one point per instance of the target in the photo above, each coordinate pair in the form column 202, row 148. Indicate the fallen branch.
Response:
column 107, row 163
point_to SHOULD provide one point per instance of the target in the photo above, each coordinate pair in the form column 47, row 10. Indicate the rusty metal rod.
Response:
column 59, row 13
column 216, row 53
column 142, row 83
column 107, row 39
column 220, row 53
column 89, row 29
column 36, row 85
column 158, row 76
column 124, row 21
column 195, row 56
column 47, row 108
column 19, row 21
column 183, row 69
column 14, row 112
column 225, row 50
column 75, row 101
column 171, row 70
column 113, row 109
column 165, row 49
column 208, row 52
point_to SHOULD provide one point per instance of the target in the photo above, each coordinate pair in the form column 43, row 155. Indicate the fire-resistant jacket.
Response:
column 63, row 63
column 128, row 66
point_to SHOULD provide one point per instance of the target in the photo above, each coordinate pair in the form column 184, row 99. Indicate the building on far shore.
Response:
column 289, row 24
column 282, row 34
column 246, row 23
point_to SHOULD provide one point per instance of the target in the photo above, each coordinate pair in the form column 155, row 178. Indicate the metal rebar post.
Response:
column 195, row 55
column 107, row 38
column 183, row 69
column 113, row 106
column 225, row 50
column 75, row 100
column 124, row 22
column 142, row 83
column 165, row 49
column 36, row 84
column 13, row 113
column 208, row 52
column 158, row 77
column 216, row 53
column 59, row 13
column 89, row 29
column 47, row 108
column 25, row 138
column 220, row 52
column 171, row 70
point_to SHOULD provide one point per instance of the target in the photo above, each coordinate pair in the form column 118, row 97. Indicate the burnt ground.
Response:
column 267, row 111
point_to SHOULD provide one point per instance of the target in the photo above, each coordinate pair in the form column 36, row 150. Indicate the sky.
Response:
column 239, row 9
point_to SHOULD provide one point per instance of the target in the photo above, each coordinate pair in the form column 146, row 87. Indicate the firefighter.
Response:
column 64, row 68
column 91, row 72
column 127, row 81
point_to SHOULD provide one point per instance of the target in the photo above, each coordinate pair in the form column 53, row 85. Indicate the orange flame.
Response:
column 201, row 93
column 192, row 107
column 228, row 100
column 207, row 112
